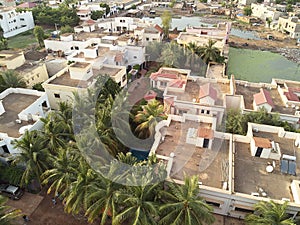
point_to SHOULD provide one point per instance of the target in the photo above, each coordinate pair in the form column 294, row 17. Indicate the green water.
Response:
column 261, row 66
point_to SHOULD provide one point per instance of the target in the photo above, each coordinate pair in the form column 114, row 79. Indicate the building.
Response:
column 264, row 11
column 31, row 72
column 246, row 2
column 13, row 23
column 78, row 77
column 263, row 99
column 289, row 26
column 20, row 110
column 201, row 36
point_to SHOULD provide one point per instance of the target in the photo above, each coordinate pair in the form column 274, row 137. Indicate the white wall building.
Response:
column 263, row 12
column 20, row 110
column 14, row 23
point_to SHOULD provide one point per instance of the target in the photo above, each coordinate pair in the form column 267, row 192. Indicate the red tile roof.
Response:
column 157, row 27
column 177, row 83
column 263, row 97
column 154, row 76
column 291, row 96
column 205, row 133
column 262, row 142
column 89, row 22
column 27, row 5
column 119, row 57
column 208, row 90
column 150, row 95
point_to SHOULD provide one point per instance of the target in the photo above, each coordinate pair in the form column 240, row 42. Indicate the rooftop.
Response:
column 250, row 172
column 13, row 105
column 248, row 93
column 110, row 71
column 192, row 90
column 211, row 165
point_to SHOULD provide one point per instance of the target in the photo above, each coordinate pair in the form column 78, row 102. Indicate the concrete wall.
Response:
column 12, row 63
column 37, row 75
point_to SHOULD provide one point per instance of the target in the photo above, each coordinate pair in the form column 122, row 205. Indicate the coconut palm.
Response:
column 209, row 53
column 7, row 215
column 183, row 205
column 138, row 202
column 269, row 213
column 77, row 197
column 10, row 78
column 64, row 171
column 147, row 119
column 102, row 199
column 33, row 155
column 173, row 55
column 191, row 51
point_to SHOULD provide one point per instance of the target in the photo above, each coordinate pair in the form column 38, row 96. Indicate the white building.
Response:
column 14, row 23
column 20, row 110
column 263, row 12
column 290, row 26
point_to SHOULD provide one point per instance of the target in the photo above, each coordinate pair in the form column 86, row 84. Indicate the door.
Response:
column 205, row 143
column 258, row 151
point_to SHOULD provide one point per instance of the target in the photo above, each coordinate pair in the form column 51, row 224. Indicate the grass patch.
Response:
column 22, row 40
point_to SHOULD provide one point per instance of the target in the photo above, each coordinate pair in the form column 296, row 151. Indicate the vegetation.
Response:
column 66, row 29
column 11, row 79
column 269, row 213
column 237, row 123
column 166, row 19
column 7, row 215
column 97, row 14
column 22, row 40
column 106, row 6
column 210, row 53
column 63, row 15
column 38, row 87
column 247, row 11
column 39, row 34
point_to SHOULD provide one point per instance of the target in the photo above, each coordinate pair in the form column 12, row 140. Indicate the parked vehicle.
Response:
column 11, row 191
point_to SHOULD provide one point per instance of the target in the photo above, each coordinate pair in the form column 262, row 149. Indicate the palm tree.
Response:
column 11, row 79
column 192, row 50
column 64, row 171
column 7, row 215
column 33, row 155
column 183, row 205
column 77, row 195
column 102, row 199
column 151, row 114
column 209, row 53
column 269, row 213
column 138, row 202
column 172, row 55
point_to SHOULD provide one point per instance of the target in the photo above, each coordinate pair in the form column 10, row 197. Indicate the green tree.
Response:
column 173, row 55
column 269, row 21
column 39, row 35
column 139, row 204
column 106, row 6
column 97, row 14
column 210, row 53
column 183, row 205
column 64, row 171
column 267, row 213
column 147, row 119
column 235, row 122
column 33, row 155
column 247, row 11
column 3, row 43
column 7, row 215
column 11, row 79
column 289, row 8
column 154, row 50
column 38, row 87
column 66, row 29
column 166, row 19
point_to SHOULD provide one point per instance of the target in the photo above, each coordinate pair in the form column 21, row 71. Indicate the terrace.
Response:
column 192, row 91
column 248, row 93
column 211, row 165
column 13, row 105
column 251, row 174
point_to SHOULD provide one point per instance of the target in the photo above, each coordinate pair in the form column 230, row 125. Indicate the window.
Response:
column 32, row 78
column 207, row 112
column 213, row 204
column 243, row 210
column 44, row 104
column 202, row 111
column 38, row 75
column 76, row 48
column 147, row 39
column 164, row 84
column 21, row 19
column 56, row 95
column 123, row 78
column 134, row 57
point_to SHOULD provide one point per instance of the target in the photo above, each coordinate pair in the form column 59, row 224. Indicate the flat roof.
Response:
column 250, row 171
column 248, row 93
column 192, row 91
column 13, row 105
column 80, row 65
column 208, row 164
column 109, row 71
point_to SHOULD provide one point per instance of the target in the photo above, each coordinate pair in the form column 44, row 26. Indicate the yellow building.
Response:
column 11, row 59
